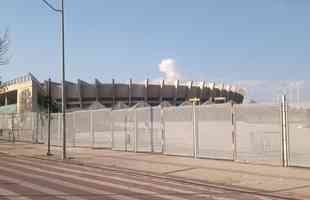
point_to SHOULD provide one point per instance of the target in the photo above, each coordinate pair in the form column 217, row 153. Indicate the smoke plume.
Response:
column 168, row 68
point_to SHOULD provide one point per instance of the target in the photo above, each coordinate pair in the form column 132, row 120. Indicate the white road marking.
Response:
column 33, row 186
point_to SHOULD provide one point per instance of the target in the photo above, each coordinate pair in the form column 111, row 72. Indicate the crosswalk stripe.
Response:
column 33, row 175
column 78, row 172
column 21, row 190
column 85, row 188
column 34, row 186
column 160, row 184
column 8, row 194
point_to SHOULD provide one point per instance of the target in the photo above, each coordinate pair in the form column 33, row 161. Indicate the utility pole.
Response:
column 64, row 155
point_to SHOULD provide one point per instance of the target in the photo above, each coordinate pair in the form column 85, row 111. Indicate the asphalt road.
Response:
column 24, row 178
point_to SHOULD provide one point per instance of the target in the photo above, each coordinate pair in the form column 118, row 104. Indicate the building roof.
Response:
column 20, row 79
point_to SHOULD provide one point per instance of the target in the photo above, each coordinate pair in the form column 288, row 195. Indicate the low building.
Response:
column 22, row 94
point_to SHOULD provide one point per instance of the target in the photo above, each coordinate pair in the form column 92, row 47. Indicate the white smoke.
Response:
column 168, row 68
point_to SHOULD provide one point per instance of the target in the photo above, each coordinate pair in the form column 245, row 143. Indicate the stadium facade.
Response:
column 26, row 93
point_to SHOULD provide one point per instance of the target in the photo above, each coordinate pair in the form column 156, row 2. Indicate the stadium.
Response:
column 26, row 93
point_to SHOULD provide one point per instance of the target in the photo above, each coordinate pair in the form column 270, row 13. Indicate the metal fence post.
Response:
column 112, row 129
column 49, row 119
column 163, row 132
column 284, row 131
column 136, row 131
column 74, row 129
column 151, row 129
column 49, row 134
column 91, row 127
column 32, row 126
column 195, row 127
column 12, row 128
column 234, row 131
column 195, row 135
column 59, row 130
column 125, row 131
column 37, row 128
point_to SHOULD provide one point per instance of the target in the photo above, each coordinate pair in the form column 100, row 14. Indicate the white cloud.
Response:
column 168, row 68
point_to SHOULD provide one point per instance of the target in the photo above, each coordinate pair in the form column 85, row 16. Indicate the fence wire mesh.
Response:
column 42, row 127
column 6, row 132
column 144, row 129
column 258, row 133
column 178, row 126
column 157, row 130
column 55, row 129
column 23, row 127
column 83, row 137
column 102, row 128
column 299, row 136
column 130, row 130
column 215, row 131
column 119, row 118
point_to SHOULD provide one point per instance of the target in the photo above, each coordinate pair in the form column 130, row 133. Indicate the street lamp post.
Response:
column 64, row 155
column 63, row 82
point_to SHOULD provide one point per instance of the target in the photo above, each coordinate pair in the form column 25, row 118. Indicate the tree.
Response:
column 4, row 48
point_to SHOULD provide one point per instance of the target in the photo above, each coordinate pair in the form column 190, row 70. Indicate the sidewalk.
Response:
column 279, row 181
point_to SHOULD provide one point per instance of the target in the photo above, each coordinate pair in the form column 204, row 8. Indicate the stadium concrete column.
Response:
column 227, row 91
column 146, row 90
column 222, row 89
column 79, row 89
column 130, row 92
column 176, row 87
column 202, row 91
column 5, row 100
column 97, row 86
column 113, row 91
column 189, row 88
column 162, row 85
column 212, row 93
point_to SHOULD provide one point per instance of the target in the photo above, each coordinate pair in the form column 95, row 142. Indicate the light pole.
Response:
column 64, row 155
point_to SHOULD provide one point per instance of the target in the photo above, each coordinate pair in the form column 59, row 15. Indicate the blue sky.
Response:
column 209, row 39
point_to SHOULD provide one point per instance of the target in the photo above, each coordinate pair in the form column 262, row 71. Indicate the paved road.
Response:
column 24, row 178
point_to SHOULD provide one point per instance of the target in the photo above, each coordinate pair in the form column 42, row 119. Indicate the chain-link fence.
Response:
column 257, row 133
column 299, row 135
column 102, row 128
column 215, row 131
column 23, row 127
column 178, row 128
